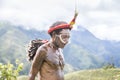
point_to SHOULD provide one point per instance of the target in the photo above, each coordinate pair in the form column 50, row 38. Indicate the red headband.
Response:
column 64, row 26
column 61, row 26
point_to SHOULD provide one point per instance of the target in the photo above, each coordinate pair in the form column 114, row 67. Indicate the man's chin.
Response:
column 62, row 46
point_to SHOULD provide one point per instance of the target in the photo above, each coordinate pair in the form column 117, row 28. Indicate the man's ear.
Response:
column 53, row 34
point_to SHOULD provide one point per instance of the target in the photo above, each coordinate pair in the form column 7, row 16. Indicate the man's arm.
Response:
column 37, row 62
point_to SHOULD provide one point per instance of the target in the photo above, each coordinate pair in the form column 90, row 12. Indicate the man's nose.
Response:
column 66, row 41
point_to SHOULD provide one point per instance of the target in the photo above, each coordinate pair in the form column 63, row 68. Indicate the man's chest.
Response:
column 55, row 58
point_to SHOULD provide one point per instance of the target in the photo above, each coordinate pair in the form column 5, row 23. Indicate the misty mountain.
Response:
column 84, row 51
column 88, row 52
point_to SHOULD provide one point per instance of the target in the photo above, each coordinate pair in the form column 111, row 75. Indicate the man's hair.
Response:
column 56, row 24
column 33, row 46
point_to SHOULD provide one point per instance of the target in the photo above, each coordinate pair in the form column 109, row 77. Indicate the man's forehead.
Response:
column 65, row 31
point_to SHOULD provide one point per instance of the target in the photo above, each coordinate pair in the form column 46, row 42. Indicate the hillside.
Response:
column 96, row 74
column 84, row 51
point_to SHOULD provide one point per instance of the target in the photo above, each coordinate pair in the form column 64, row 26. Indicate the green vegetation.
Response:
column 9, row 71
column 109, row 66
column 97, row 74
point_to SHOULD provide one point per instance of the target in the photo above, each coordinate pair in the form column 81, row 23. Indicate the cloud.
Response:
column 101, row 17
column 105, row 25
column 103, row 31
column 34, row 13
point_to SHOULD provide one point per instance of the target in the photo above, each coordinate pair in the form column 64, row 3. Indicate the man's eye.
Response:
column 65, row 36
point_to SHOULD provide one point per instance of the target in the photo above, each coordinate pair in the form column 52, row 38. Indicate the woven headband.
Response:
column 64, row 26
column 61, row 26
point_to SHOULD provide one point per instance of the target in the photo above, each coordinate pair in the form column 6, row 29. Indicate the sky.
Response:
column 100, row 17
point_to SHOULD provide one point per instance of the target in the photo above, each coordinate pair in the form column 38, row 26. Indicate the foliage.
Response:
column 109, row 66
column 9, row 71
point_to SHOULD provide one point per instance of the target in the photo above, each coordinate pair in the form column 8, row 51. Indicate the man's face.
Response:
column 62, row 38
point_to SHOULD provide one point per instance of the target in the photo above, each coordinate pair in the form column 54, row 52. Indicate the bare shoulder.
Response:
column 42, row 50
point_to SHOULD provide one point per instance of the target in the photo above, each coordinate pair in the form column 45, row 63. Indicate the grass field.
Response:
column 96, row 74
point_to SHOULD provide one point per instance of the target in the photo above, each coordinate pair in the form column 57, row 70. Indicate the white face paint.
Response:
column 64, row 38
column 61, row 39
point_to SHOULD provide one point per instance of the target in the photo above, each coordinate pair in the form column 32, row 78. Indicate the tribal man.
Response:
column 48, row 61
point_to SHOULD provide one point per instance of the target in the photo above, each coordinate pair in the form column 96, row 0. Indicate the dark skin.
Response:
column 48, row 62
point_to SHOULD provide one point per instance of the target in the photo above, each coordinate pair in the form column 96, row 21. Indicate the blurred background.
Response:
column 95, row 38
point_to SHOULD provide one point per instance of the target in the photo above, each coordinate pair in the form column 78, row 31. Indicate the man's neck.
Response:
column 53, row 45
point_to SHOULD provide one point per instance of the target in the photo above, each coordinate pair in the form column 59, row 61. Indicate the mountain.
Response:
column 92, row 51
column 84, row 51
